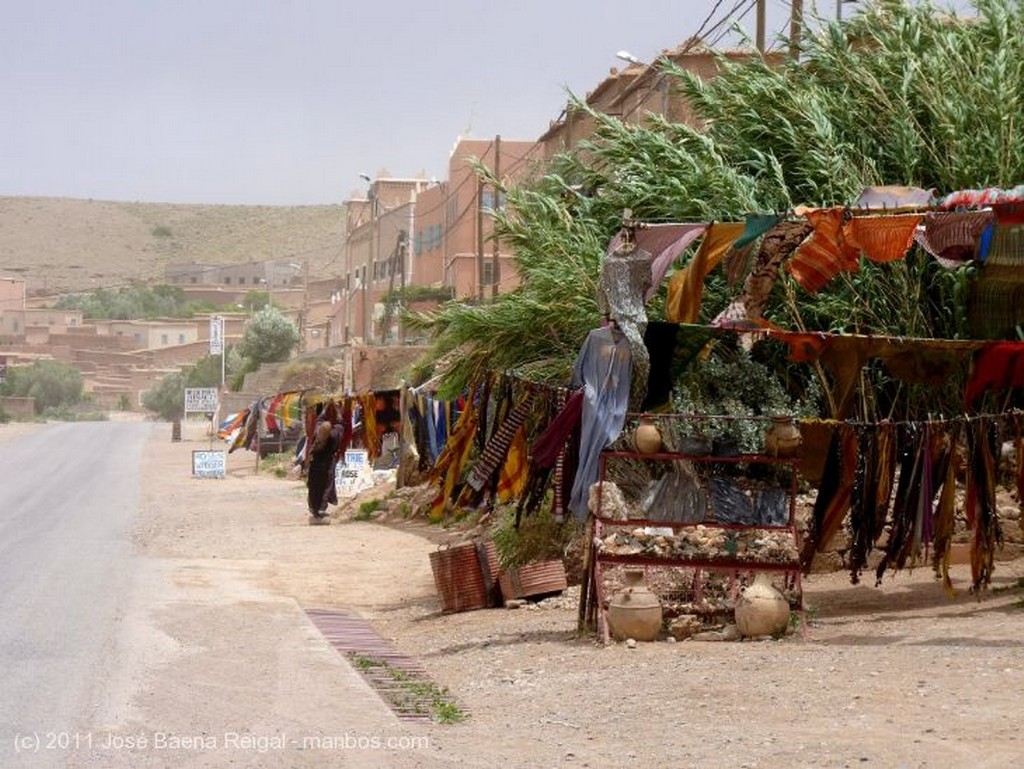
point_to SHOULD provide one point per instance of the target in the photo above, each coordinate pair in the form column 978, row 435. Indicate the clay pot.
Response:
column 634, row 612
column 762, row 609
column 647, row 437
column 783, row 438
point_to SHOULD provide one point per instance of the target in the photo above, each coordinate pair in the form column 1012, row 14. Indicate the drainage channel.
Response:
column 400, row 681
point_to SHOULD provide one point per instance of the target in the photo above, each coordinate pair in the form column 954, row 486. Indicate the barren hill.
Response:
column 63, row 244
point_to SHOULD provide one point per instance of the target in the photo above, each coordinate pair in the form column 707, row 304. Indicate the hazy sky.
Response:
column 285, row 102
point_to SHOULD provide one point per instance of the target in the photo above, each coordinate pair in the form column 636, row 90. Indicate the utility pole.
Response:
column 761, row 16
column 796, row 22
column 495, row 263
column 480, row 239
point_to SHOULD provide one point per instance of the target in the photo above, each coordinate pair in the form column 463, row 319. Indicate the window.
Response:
column 137, row 337
column 194, row 279
column 241, row 280
column 418, row 243
column 489, row 272
column 163, row 339
column 227, row 280
column 452, row 210
column 486, row 200
column 181, row 339
column 16, row 326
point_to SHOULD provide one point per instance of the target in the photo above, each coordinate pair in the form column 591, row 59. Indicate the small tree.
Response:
column 167, row 398
column 51, row 383
column 269, row 337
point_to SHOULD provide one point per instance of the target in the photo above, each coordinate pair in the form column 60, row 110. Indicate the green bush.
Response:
column 53, row 384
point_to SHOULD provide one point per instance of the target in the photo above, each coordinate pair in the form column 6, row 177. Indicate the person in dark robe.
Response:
column 320, row 474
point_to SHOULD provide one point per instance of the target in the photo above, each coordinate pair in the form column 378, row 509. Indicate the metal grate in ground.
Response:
column 400, row 681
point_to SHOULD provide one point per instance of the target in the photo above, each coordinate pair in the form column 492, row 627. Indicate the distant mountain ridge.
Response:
column 66, row 244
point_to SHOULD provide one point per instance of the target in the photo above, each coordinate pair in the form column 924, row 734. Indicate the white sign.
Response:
column 354, row 474
column 208, row 464
column 201, row 399
column 216, row 335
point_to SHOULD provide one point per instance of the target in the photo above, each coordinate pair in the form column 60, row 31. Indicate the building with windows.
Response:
column 417, row 239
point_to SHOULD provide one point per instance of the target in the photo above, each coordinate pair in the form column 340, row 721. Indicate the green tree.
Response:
column 167, row 398
column 900, row 94
column 51, row 383
column 133, row 302
column 269, row 337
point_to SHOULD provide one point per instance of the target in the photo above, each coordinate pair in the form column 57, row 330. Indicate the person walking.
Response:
column 320, row 475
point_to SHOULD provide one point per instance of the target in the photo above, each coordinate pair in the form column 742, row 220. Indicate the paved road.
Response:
column 68, row 494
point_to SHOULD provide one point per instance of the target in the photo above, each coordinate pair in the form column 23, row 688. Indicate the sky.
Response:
column 287, row 102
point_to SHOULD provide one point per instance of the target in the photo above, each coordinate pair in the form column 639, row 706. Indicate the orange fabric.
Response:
column 883, row 238
column 825, row 253
column 687, row 285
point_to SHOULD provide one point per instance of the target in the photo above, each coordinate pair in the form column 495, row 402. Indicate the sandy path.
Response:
column 893, row 676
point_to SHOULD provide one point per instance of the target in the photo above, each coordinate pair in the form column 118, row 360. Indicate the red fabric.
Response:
column 999, row 366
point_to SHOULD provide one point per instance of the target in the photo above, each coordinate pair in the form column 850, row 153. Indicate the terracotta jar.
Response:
column 647, row 437
column 762, row 609
column 783, row 438
column 634, row 612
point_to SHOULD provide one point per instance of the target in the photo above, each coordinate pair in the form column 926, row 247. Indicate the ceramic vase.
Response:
column 783, row 438
column 647, row 437
column 762, row 609
column 634, row 612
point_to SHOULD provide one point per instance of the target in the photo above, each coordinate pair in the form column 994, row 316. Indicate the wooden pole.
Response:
column 796, row 21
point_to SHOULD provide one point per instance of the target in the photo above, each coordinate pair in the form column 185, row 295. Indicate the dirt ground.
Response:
column 896, row 676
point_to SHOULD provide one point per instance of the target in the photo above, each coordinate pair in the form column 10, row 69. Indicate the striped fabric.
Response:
column 497, row 447
column 826, row 253
column 952, row 236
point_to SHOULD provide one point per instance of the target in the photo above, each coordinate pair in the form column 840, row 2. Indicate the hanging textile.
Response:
column 945, row 514
column 826, row 253
column 660, row 340
column 665, row 242
column 452, row 459
column 883, row 238
column 496, row 451
column 625, row 277
column 687, row 285
column 737, row 259
column 512, row 478
column 776, row 245
column 952, row 236
column 547, row 453
column 982, row 516
column 834, row 493
column 603, row 369
column 998, row 366
column 894, row 196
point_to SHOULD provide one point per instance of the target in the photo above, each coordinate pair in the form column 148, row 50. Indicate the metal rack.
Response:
column 592, row 598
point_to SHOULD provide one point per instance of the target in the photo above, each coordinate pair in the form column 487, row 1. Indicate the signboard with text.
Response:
column 201, row 399
column 355, row 473
column 209, row 464
column 216, row 335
